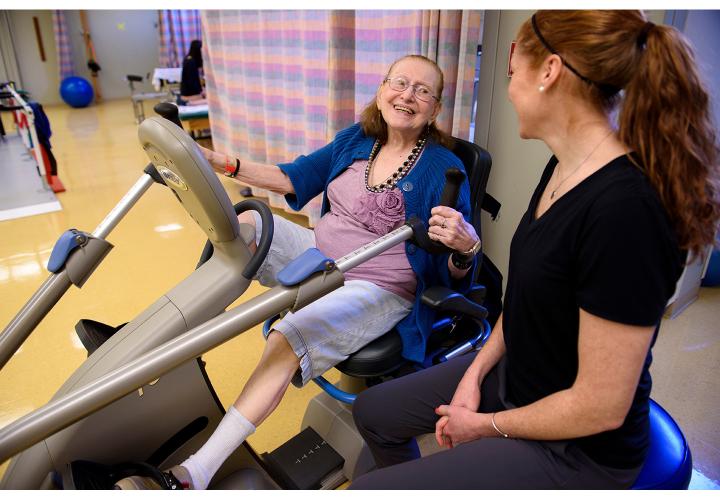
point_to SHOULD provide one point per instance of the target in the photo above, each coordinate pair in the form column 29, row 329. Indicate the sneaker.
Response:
column 177, row 478
column 182, row 475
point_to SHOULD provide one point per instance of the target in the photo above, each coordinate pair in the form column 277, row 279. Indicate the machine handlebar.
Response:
column 168, row 111
column 454, row 178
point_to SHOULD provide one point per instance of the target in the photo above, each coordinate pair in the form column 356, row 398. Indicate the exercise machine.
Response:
column 107, row 411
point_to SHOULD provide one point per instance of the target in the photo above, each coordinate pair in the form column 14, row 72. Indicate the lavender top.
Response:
column 357, row 217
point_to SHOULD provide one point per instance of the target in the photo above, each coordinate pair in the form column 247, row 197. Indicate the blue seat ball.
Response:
column 76, row 91
column 712, row 274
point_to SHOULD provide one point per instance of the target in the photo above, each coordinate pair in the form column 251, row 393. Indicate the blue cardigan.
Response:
column 421, row 188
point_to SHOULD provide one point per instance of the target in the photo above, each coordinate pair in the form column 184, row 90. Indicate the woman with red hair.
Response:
column 558, row 397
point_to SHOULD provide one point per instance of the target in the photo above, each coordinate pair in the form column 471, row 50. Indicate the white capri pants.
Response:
column 326, row 331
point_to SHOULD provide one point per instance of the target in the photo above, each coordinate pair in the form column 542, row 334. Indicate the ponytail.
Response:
column 665, row 119
column 665, row 109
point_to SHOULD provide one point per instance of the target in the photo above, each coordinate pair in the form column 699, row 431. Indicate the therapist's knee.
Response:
column 367, row 410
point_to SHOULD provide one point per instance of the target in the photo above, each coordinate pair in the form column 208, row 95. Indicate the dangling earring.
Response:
column 541, row 88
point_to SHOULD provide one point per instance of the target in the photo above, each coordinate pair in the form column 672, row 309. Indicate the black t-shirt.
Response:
column 606, row 246
column 190, row 79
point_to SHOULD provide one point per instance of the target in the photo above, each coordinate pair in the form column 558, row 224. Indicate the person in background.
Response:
column 191, row 87
column 558, row 396
column 371, row 175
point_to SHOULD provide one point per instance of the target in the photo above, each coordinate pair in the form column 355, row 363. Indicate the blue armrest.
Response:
column 308, row 263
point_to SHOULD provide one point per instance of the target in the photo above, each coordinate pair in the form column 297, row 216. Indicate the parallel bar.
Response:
column 33, row 133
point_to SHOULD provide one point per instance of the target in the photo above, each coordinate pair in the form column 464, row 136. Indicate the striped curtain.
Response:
column 267, row 84
column 282, row 83
column 449, row 38
column 177, row 29
column 63, row 46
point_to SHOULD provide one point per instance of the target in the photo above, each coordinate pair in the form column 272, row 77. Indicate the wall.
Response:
column 517, row 163
column 125, row 42
column 702, row 27
column 9, row 70
column 38, row 77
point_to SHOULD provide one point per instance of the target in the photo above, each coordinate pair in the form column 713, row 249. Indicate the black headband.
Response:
column 604, row 87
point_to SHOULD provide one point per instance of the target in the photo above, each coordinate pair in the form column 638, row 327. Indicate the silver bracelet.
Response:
column 492, row 419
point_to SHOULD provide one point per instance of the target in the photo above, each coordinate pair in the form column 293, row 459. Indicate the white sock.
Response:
column 233, row 429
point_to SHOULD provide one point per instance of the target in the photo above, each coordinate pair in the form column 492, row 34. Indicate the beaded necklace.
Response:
column 390, row 183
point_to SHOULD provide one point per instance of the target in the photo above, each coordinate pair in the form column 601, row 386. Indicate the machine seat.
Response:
column 379, row 357
column 383, row 355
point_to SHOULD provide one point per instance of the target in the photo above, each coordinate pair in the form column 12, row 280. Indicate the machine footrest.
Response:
column 306, row 462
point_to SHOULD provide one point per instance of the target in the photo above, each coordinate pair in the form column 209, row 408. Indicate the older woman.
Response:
column 564, row 376
column 373, row 175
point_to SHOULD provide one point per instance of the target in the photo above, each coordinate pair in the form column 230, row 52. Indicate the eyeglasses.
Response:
column 401, row 84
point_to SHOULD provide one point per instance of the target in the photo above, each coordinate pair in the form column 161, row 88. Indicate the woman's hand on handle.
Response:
column 447, row 226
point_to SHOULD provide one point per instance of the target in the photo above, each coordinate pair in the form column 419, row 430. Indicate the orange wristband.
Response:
column 232, row 170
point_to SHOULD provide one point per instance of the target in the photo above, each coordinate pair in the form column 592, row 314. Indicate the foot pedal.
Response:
column 306, row 462
column 93, row 334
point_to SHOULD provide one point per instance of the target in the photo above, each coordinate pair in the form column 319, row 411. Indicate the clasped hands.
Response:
column 460, row 421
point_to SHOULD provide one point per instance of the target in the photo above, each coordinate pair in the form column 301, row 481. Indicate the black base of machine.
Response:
column 306, row 462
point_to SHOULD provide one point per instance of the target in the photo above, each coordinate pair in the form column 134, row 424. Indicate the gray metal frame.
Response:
column 150, row 351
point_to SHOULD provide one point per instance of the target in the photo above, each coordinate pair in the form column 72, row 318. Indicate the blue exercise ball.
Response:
column 712, row 274
column 76, row 91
